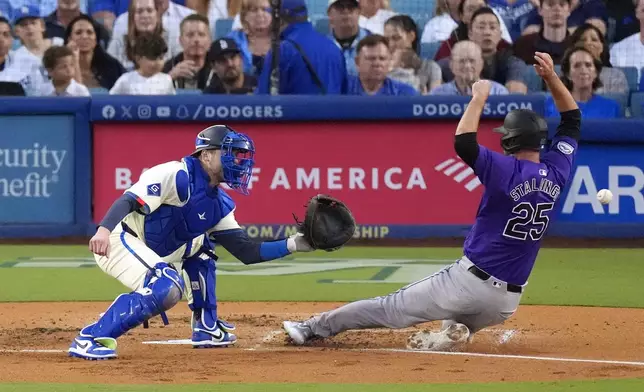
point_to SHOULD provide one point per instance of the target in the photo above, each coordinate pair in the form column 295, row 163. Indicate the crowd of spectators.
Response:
column 153, row 47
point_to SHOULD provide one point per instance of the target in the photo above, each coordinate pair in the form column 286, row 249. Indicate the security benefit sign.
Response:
column 36, row 169
column 619, row 168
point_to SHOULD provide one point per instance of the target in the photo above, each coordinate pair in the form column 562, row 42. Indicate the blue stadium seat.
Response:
column 533, row 81
column 322, row 25
column 223, row 27
column 622, row 99
column 637, row 104
column 317, row 8
column 413, row 7
column 428, row 49
column 188, row 91
column 98, row 91
column 16, row 44
column 641, row 79
column 632, row 76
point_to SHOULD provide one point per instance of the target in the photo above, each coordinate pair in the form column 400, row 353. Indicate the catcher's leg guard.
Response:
column 207, row 330
column 98, row 340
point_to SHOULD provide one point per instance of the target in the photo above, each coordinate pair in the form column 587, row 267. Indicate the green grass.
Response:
column 585, row 277
column 588, row 277
column 628, row 385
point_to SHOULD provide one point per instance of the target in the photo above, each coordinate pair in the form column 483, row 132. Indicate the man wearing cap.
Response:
column 345, row 30
column 227, row 75
column 309, row 62
column 190, row 68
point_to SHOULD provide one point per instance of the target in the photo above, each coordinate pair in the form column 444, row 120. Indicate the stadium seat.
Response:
column 317, row 8
column 632, row 76
column 622, row 99
column 223, row 27
column 637, row 104
column 16, row 44
column 188, row 91
column 98, row 91
column 428, row 49
column 413, row 7
column 322, row 26
column 641, row 79
column 533, row 81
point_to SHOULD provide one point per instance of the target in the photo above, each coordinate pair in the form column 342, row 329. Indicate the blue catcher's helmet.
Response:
column 237, row 154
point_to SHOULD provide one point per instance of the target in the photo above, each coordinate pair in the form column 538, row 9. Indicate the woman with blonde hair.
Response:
column 215, row 10
column 254, row 38
column 144, row 17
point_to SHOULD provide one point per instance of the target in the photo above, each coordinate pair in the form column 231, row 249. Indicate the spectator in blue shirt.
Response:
column 309, row 63
column 466, row 64
column 254, row 38
column 581, row 71
column 373, row 62
column 345, row 29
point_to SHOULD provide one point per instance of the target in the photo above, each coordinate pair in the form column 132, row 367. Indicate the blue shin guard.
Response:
column 207, row 329
column 163, row 291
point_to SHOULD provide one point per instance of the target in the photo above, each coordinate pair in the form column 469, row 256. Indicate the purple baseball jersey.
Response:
column 516, row 207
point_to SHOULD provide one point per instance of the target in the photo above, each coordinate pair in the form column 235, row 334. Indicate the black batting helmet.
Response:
column 523, row 129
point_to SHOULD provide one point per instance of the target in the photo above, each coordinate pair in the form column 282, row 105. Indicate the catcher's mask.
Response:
column 523, row 129
column 237, row 154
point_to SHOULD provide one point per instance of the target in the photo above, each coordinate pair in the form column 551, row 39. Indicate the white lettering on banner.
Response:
column 243, row 111
column 333, row 174
column 34, row 183
column 394, row 178
column 583, row 177
column 305, row 181
column 123, row 178
column 280, row 179
column 634, row 191
column 255, row 177
column 457, row 109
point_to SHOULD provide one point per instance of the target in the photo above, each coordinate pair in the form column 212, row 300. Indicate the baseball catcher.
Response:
column 176, row 214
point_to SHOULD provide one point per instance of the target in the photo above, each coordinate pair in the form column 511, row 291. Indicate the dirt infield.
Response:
column 262, row 355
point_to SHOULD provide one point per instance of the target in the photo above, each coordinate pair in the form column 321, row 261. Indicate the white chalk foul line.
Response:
column 34, row 351
column 504, row 356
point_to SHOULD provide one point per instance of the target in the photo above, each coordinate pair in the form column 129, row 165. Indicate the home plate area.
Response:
column 539, row 343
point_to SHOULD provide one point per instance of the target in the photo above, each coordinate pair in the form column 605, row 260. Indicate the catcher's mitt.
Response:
column 328, row 224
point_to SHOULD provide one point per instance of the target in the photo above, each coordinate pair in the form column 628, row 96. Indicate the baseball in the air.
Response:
column 604, row 196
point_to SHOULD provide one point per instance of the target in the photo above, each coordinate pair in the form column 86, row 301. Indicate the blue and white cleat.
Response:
column 88, row 347
column 204, row 338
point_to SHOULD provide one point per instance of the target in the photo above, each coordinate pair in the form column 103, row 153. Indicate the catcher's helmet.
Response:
column 523, row 129
column 237, row 154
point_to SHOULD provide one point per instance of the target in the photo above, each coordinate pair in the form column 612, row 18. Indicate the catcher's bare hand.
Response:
column 545, row 67
column 100, row 243
column 297, row 243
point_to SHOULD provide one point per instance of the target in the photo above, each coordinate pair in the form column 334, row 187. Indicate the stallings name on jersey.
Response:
column 544, row 185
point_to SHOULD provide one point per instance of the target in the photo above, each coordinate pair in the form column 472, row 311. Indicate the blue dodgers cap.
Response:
column 25, row 12
column 294, row 7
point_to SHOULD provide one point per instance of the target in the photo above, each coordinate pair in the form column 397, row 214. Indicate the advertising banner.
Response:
column 389, row 173
column 37, row 169
column 617, row 167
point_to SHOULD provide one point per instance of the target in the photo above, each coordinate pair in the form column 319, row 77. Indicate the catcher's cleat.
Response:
column 299, row 333
column 203, row 337
column 445, row 340
column 88, row 347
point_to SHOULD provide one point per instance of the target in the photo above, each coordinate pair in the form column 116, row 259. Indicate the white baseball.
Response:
column 604, row 196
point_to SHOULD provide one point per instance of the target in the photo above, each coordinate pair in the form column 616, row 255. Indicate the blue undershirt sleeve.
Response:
column 248, row 251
